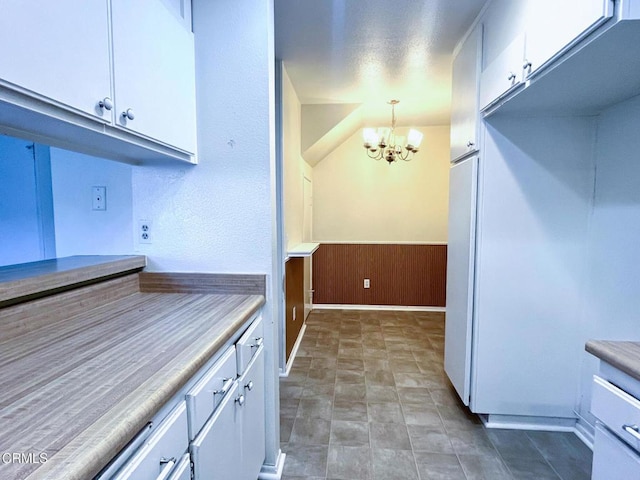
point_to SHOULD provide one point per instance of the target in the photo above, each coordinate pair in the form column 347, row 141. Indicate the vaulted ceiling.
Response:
column 370, row 51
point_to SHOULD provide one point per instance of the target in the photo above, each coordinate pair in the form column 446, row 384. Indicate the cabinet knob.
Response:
column 511, row 77
column 129, row 114
column 249, row 386
column 470, row 144
column 526, row 65
column 106, row 103
column 240, row 400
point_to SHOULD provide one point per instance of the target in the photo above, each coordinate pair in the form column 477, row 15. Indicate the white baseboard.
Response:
column 585, row 432
column 294, row 352
column 403, row 308
column 517, row 422
column 273, row 472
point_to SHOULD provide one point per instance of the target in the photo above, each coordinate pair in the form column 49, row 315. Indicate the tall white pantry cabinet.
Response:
column 545, row 228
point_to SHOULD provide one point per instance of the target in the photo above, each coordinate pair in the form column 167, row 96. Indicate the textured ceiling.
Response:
column 370, row 51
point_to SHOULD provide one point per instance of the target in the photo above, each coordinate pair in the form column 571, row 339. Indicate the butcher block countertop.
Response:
column 625, row 356
column 83, row 371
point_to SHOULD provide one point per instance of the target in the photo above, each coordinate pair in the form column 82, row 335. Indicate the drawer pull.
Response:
column 240, row 400
column 249, row 386
column 167, row 465
column 632, row 430
column 226, row 386
column 259, row 341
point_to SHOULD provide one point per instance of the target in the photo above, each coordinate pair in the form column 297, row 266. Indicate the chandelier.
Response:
column 383, row 143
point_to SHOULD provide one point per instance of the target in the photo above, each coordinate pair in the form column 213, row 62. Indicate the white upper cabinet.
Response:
column 464, row 98
column 58, row 50
column 154, row 73
column 551, row 26
column 503, row 74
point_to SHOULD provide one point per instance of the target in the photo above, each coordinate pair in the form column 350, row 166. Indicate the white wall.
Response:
column 219, row 216
column 80, row 230
column 294, row 167
column 359, row 199
column 611, row 299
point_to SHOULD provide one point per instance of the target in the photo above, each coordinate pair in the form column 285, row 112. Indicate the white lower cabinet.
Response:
column 616, row 449
column 252, row 418
column 183, row 469
column 157, row 458
column 216, row 450
column 231, row 445
column 217, row 429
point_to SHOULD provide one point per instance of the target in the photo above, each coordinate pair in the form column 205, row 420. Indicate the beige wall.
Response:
column 294, row 167
column 359, row 199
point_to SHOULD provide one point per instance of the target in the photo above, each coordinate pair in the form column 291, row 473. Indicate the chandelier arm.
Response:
column 407, row 157
column 376, row 156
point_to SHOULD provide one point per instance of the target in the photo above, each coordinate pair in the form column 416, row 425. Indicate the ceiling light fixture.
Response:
column 383, row 143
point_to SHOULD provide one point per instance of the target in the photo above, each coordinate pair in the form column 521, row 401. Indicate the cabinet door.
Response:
column 154, row 73
column 157, row 456
column 463, row 181
column 216, row 451
column 612, row 458
column 553, row 25
column 253, row 418
column 59, row 50
column 503, row 74
column 464, row 96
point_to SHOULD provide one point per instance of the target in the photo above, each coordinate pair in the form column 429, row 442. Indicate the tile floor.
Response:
column 367, row 398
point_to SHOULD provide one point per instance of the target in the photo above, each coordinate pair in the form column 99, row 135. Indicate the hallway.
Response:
column 367, row 398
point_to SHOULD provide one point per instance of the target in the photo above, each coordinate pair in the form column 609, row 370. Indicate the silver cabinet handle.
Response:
column 632, row 430
column 526, row 65
column 226, row 386
column 129, row 113
column 249, row 386
column 511, row 77
column 240, row 400
column 167, row 465
column 470, row 144
column 259, row 341
column 106, row 103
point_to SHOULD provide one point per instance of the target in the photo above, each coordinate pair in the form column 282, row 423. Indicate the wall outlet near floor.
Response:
column 367, row 283
column 144, row 231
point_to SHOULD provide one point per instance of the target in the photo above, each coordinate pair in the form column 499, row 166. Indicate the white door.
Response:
column 216, row 451
column 253, row 418
column 59, row 50
column 463, row 181
column 464, row 98
column 154, row 72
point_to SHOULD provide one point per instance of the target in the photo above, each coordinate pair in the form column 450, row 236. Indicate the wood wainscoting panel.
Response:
column 294, row 293
column 400, row 274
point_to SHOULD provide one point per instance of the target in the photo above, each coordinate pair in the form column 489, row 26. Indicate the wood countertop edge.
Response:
column 90, row 452
column 41, row 283
column 623, row 355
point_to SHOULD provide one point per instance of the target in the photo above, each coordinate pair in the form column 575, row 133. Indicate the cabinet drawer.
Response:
column 207, row 394
column 612, row 458
column 248, row 344
column 618, row 410
column 158, row 455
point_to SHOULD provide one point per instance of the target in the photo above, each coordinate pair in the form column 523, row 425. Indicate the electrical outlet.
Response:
column 99, row 198
column 145, row 234
column 367, row 283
